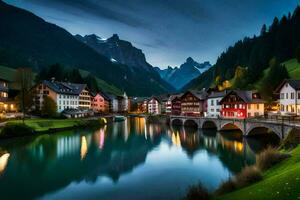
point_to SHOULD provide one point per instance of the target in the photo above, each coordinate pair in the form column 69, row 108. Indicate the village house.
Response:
column 154, row 106
column 242, row 104
column 85, row 99
column 100, row 102
column 176, row 105
column 7, row 104
column 213, row 103
column 193, row 103
column 289, row 102
column 65, row 95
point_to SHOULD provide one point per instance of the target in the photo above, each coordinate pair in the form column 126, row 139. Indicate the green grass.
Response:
column 280, row 182
column 293, row 68
column 46, row 124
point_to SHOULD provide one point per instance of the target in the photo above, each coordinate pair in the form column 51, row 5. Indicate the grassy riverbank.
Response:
column 40, row 125
column 16, row 128
column 280, row 182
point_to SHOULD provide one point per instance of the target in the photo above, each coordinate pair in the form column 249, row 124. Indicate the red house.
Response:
column 242, row 104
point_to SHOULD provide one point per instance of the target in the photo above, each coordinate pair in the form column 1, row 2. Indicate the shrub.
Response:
column 247, row 176
column 14, row 130
column 269, row 157
column 226, row 187
column 197, row 192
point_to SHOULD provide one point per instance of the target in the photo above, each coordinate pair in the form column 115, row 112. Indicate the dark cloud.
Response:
column 168, row 31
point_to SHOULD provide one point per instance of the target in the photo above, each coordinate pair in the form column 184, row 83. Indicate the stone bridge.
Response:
column 246, row 126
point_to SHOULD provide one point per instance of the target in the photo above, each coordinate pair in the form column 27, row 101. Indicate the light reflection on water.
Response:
column 128, row 160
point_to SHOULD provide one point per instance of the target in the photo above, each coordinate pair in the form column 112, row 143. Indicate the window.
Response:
column 257, row 106
column 212, row 102
column 299, row 95
column 292, row 95
column 282, row 96
column 287, row 95
column 249, row 106
column 287, row 108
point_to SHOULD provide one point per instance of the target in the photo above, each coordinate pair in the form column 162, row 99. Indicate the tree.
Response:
column 24, row 81
column 49, row 107
column 263, row 30
column 271, row 81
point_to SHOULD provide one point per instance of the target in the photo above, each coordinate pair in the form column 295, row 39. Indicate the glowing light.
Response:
column 3, row 162
column 104, row 120
column 84, row 148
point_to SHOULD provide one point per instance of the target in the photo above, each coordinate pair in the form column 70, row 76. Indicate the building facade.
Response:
column 65, row 95
column 7, row 104
column 289, row 102
column 100, row 103
column 213, row 103
column 242, row 104
column 176, row 105
column 85, row 99
column 154, row 106
column 193, row 103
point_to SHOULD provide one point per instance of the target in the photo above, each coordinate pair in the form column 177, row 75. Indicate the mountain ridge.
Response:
column 23, row 43
column 178, row 77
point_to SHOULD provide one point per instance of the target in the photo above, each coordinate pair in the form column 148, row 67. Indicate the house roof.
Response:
column 172, row 97
column 293, row 83
column 65, row 88
column 101, row 93
column 200, row 94
column 245, row 95
column 156, row 98
column 218, row 94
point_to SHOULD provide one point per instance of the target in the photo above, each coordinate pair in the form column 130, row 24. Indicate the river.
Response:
column 129, row 160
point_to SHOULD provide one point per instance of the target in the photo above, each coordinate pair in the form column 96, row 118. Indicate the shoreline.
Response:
column 78, row 123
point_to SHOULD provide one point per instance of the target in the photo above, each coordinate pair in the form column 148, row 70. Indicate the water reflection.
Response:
column 117, row 161
column 3, row 162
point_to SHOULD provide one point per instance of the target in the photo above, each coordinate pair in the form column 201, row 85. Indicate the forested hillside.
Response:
column 276, row 44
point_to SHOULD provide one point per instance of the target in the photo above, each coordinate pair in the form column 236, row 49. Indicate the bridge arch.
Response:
column 191, row 123
column 209, row 124
column 229, row 126
column 177, row 122
column 263, row 129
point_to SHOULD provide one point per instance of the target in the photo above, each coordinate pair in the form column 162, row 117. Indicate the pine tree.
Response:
column 263, row 30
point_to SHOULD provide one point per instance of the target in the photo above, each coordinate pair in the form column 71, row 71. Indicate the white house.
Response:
column 65, row 95
column 289, row 91
column 213, row 103
column 154, row 106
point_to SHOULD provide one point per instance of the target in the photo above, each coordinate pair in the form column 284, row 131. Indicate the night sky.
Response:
column 168, row 31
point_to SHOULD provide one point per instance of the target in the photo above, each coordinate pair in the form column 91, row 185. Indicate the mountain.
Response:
column 119, row 51
column 179, row 77
column 279, row 41
column 27, row 40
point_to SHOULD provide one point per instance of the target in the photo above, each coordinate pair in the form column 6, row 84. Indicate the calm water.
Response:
column 127, row 160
